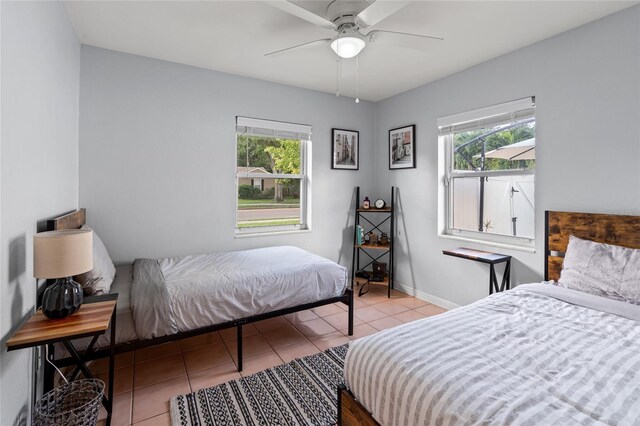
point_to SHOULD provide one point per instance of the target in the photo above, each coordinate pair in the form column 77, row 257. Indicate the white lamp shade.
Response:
column 64, row 253
column 347, row 47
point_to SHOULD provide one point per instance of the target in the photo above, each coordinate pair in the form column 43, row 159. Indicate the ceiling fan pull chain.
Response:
column 357, row 80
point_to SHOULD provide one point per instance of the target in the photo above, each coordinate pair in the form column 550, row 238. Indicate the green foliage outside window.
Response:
column 274, row 155
column 249, row 192
column 281, row 156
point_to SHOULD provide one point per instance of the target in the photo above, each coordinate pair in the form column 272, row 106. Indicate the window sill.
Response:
column 489, row 243
column 270, row 233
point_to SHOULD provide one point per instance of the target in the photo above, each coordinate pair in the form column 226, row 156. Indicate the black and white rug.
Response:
column 301, row 392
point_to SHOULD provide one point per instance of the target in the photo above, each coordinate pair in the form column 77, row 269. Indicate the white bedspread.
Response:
column 180, row 294
column 537, row 355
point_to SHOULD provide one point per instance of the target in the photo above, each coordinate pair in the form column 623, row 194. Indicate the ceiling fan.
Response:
column 347, row 18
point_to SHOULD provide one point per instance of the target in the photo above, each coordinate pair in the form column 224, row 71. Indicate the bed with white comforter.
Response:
column 538, row 354
column 173, row 295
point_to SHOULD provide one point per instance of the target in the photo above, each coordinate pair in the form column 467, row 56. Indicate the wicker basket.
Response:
column 75, row 403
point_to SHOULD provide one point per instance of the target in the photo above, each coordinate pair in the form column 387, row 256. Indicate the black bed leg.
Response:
column 239, row 332
column 341, row 387
column 350, row 313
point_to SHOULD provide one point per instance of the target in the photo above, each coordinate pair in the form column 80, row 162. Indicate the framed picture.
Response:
column 344, row 149
column 402, row 147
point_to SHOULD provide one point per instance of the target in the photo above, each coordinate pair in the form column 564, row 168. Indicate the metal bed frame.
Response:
column 77, row 218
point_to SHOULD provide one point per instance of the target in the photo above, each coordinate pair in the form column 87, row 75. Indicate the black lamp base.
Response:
column 62, row 298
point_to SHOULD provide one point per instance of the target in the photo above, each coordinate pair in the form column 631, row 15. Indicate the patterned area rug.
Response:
column 302, row 392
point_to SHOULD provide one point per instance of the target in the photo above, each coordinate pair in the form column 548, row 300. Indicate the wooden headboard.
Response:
column 73, row 220
column 602, row 228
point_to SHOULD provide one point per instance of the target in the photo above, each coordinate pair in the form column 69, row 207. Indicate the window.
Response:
column 272, row 176
column 489, row 169
column 258, row 183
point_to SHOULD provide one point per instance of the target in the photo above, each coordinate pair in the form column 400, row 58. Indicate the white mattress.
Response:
column 180, row 294
column 535, row 355
column 125, row 331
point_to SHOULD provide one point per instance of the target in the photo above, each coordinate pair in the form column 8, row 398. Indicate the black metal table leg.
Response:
column 79, row 362
column 506, row 277
column 106, row 400
column 89, row 350
column 492, row 279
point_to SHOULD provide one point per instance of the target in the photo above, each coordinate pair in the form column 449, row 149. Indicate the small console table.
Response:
column 92, row 320
column 489, row 258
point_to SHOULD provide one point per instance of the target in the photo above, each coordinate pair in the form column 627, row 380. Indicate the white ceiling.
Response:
column 233, row 36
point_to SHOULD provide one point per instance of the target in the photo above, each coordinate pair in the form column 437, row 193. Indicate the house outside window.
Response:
column 488, row 174
column 272, row 176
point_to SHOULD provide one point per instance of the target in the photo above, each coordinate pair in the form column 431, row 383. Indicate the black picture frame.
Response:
column 402, row 147
column 345, row 149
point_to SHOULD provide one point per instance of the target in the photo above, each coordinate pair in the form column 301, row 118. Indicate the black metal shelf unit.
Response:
column 372, row 252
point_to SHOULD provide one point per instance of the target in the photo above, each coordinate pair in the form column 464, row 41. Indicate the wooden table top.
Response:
column 477, row 255
column 91, row 319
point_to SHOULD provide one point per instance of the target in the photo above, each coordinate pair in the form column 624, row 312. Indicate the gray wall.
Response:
column 587, row 87
column 157, row 156
column 39, row 165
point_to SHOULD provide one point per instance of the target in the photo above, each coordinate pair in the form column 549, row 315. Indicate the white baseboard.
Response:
column 425, row 296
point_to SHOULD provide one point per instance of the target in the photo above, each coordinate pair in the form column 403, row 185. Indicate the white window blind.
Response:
column 487, row 117
column 276, row 129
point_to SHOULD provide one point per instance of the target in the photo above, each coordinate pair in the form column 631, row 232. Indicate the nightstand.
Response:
column 92, row 320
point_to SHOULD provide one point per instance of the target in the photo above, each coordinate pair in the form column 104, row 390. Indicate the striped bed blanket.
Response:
column 538, row 354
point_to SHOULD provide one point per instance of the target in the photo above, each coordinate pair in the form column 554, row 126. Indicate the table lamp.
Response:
column 60, row 255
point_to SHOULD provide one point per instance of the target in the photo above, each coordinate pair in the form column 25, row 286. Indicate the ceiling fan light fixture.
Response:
column 348, row 46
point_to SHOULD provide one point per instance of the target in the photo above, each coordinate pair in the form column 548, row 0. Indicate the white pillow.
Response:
column 602, row 269
column 99, row 279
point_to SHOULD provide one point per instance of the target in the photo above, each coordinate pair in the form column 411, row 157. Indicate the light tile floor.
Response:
column 147, row 379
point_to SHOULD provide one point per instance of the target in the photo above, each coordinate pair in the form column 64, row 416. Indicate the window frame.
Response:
column 303, row 176
column 448, row 175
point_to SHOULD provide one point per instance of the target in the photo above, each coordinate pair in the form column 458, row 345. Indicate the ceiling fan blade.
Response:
column 301, row 12
column 292, row 49
column 379, row 10
column 399, row 39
